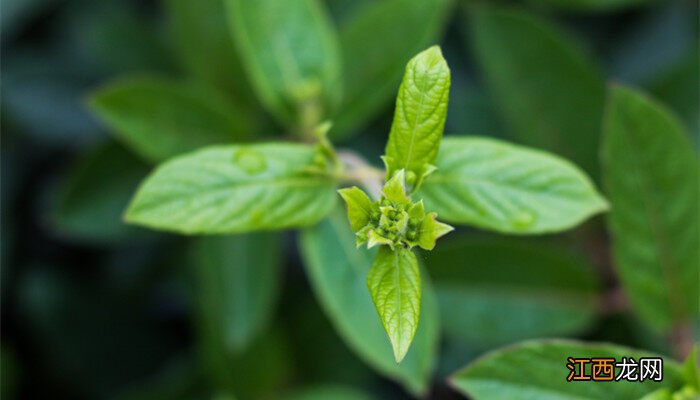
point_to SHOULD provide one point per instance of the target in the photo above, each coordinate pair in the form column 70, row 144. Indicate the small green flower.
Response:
column 394, row 219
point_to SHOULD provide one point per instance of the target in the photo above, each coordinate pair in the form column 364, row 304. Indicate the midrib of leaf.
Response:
column 668, row 267
column 399, row 290
column 414, row 128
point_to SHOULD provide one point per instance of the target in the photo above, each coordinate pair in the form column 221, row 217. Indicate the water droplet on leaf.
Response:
column 524, row 219
column 250, row 161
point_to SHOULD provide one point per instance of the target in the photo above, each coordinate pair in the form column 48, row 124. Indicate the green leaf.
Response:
column 290, row 51
column 325, row 392
column 537, row 370
column 691, row 372
column 589, row 5
column 548, row 90
column 233, row 189
column 376, row 42
column 419, row 118
column 238, row 283
column 337, row 272
column 161, row 118
column 358, row 206
column 203, row 40
column 508, row 188
column 499, row 291
column 651, row 176
column 92, row 196
column 394, row 282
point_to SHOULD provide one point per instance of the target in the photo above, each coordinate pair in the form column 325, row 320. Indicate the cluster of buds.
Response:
column 393, row 220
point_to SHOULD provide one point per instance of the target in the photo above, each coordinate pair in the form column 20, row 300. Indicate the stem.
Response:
column 360, row 171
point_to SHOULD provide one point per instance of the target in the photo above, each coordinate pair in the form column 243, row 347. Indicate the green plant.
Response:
column 475, row 181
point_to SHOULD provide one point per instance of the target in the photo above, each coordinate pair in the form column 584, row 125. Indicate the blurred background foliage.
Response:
column 92, row 308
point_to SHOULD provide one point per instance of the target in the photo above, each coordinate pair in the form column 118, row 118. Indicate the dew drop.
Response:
column 524, row 219
column 250, row 161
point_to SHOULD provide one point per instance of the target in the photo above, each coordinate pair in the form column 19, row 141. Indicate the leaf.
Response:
column 234, row 189
column 589, row 5
column 160, row 118
column 358, row 206
column 537, row 370
column 394, row 282
column 691, row 371
column 203, row 40
column 238, row 284
column 291, row 54
column 499, row 291
column 93, row 194
column 337, row 272
column 325, row 392
column 508, row 188
column 376, row 43
column 419, row 118
column 651, row 176
column 549, row 91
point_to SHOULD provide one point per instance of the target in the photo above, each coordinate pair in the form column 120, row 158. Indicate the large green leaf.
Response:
column 419, row 118
column 496, row 292
column 92, row 196
column 203, row 40
column 229, row 189
column 651, row 176
column 537, row 370
column 377, row 41
column 291, row 53
column 394, row 282
column 508, row 188
column 238, row 283
column 160, row 118
column 549, row 92
column 337, row 272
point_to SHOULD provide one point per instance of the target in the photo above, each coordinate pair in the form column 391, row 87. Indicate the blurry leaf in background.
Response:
column 235, row 189
column 94, row 193
column 89, row 335
column 548, row 91
column 337, row 271
column 290, row 52
column 537, row 370
column 9, row 379
column 508, row 188
column 15, row 14
column 203, row 39
column 654, row 41
column 377, row 41
column 239, row 280
column 160, row 118
column 497, row 292
column 470, row 110
column 178, row 380
column 588, row 5
column 651, row 176
column 678, row 88
column 328, row 392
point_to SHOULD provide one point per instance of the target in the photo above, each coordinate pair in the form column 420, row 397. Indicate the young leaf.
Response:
column 537, row 370
column 238, row 282
column 93, row 195
column 508, row 188
column 376, row 42
column 498, row 292
column 358, row 206
column 229, row 189
column 394, row 282
column 291, row 54
column 691, row 371
column 548, row 90
column 651, row 176
column 161, row 118
column 337, row 272
column 419, row 118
